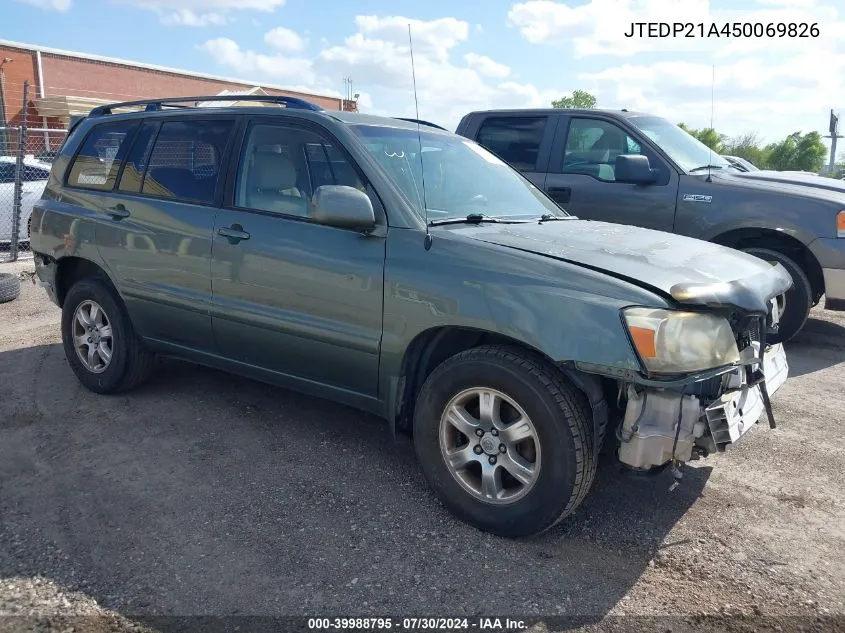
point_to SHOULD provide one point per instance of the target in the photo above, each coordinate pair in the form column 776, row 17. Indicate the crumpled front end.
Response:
column 682, row 421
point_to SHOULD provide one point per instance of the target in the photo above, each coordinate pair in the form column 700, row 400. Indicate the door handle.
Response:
column 235, row 233
column 118, row 212
column 560, row 194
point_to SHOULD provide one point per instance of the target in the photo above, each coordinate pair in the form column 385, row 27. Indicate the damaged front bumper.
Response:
column 661, row 426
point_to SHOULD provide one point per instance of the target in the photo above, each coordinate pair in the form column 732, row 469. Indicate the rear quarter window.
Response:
column 98, row 161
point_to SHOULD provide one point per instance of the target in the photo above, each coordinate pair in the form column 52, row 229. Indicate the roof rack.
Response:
column 156, row 105
column 421, row 122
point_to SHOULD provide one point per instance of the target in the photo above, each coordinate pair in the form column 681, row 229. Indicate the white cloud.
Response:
column 50, row 5
column 749, row 94
column 186, row 17
column 248, row 63
column 377, row 58
column 285, row 40
column 599, row 27
column 432, row 37
column 208, row 5
column 197, row 12
column 487, row 66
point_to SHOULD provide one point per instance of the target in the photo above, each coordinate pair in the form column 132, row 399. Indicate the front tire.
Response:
column 100, row 343
column 796, row 302
column 505, row 440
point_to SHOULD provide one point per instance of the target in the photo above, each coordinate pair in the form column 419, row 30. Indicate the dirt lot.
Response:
column 204, row 494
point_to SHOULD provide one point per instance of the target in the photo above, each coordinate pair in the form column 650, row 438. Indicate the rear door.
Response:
column 156, row 226
column 524, row 141
column 581, row 174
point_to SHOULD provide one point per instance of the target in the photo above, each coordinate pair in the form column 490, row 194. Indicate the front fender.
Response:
column 564, row 311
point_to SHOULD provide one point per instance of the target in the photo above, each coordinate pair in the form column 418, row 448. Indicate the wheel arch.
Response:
column 433, row 346
column 71, row 269
column 781, row 242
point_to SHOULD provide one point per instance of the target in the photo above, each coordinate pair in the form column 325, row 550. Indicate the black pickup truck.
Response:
column 635, row 168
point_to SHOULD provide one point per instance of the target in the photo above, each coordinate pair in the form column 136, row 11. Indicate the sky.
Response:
column 480, row 54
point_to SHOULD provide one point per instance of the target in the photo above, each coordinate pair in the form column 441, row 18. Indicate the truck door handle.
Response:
column 560, row 194
column 235, row 233
column 118, row 212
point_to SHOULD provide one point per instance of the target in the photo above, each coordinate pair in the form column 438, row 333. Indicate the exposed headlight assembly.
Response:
column 674, row 342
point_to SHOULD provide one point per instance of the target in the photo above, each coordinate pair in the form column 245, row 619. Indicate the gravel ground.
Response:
column 206, row 494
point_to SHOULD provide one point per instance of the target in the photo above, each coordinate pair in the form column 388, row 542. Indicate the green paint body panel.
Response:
column 332, row 312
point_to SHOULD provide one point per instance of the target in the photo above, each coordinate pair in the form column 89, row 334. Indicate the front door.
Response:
column 291, row 296
column 581, row 176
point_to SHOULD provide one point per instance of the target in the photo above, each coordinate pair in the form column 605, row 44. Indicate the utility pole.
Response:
column 834, row 134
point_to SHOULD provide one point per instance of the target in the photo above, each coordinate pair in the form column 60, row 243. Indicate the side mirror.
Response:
column 634, row 169
column 343, row 207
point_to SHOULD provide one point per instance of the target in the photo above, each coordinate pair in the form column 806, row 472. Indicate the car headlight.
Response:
column 673, row 342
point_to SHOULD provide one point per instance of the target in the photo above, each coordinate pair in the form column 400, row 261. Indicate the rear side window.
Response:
column 98, row 161
column 7, row 173
column 185, row 160
column 136, row 160
column 516, row 140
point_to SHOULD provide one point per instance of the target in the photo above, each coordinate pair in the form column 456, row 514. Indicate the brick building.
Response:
column 65, row 83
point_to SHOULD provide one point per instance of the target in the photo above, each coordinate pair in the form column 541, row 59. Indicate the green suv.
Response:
column 399, row 268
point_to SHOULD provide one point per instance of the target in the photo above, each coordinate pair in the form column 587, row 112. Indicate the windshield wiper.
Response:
column 474, row 218
column 703, row 167
column 548, row 217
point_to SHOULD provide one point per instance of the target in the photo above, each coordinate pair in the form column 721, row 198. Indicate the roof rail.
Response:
column 421, row 122
column 156, row 105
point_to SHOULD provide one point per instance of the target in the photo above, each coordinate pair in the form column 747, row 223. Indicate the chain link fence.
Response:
column 27, row 148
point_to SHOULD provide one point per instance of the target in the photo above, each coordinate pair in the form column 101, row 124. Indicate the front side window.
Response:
column 185, row 160
column 98, row 161
column 516, row 140
column 447, row 176
column 592, row 146
column 281, row 167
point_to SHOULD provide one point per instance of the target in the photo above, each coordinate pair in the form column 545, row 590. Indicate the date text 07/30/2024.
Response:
column 726, row 30
column 417, row 624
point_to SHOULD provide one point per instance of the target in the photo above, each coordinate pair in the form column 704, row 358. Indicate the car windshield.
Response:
column 687, row 151
column 460, row 177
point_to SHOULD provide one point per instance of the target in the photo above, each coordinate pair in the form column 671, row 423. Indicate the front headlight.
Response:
column 672, row 342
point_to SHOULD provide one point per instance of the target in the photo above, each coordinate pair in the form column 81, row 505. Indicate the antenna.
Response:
column 427, row 242
column 712, row 99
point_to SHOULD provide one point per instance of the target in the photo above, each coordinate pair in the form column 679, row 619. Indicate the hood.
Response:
column 690, row 271
column 794, row 178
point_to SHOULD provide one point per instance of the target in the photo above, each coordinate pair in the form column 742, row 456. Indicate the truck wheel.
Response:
column 504, row 440
column 10, row 287
column 100, row 343
column 794, row 305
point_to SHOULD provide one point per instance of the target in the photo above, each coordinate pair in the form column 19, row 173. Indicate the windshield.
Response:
column 460, row 176
column 686, row 150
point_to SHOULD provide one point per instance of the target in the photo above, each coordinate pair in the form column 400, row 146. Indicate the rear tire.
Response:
column 799, row 298
column 94, row 316
column 564, row 458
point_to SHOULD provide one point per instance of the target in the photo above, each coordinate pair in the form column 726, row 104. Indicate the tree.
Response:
column 578, row 99
column 797, row 152
column 747, row 146
column 710, row 137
